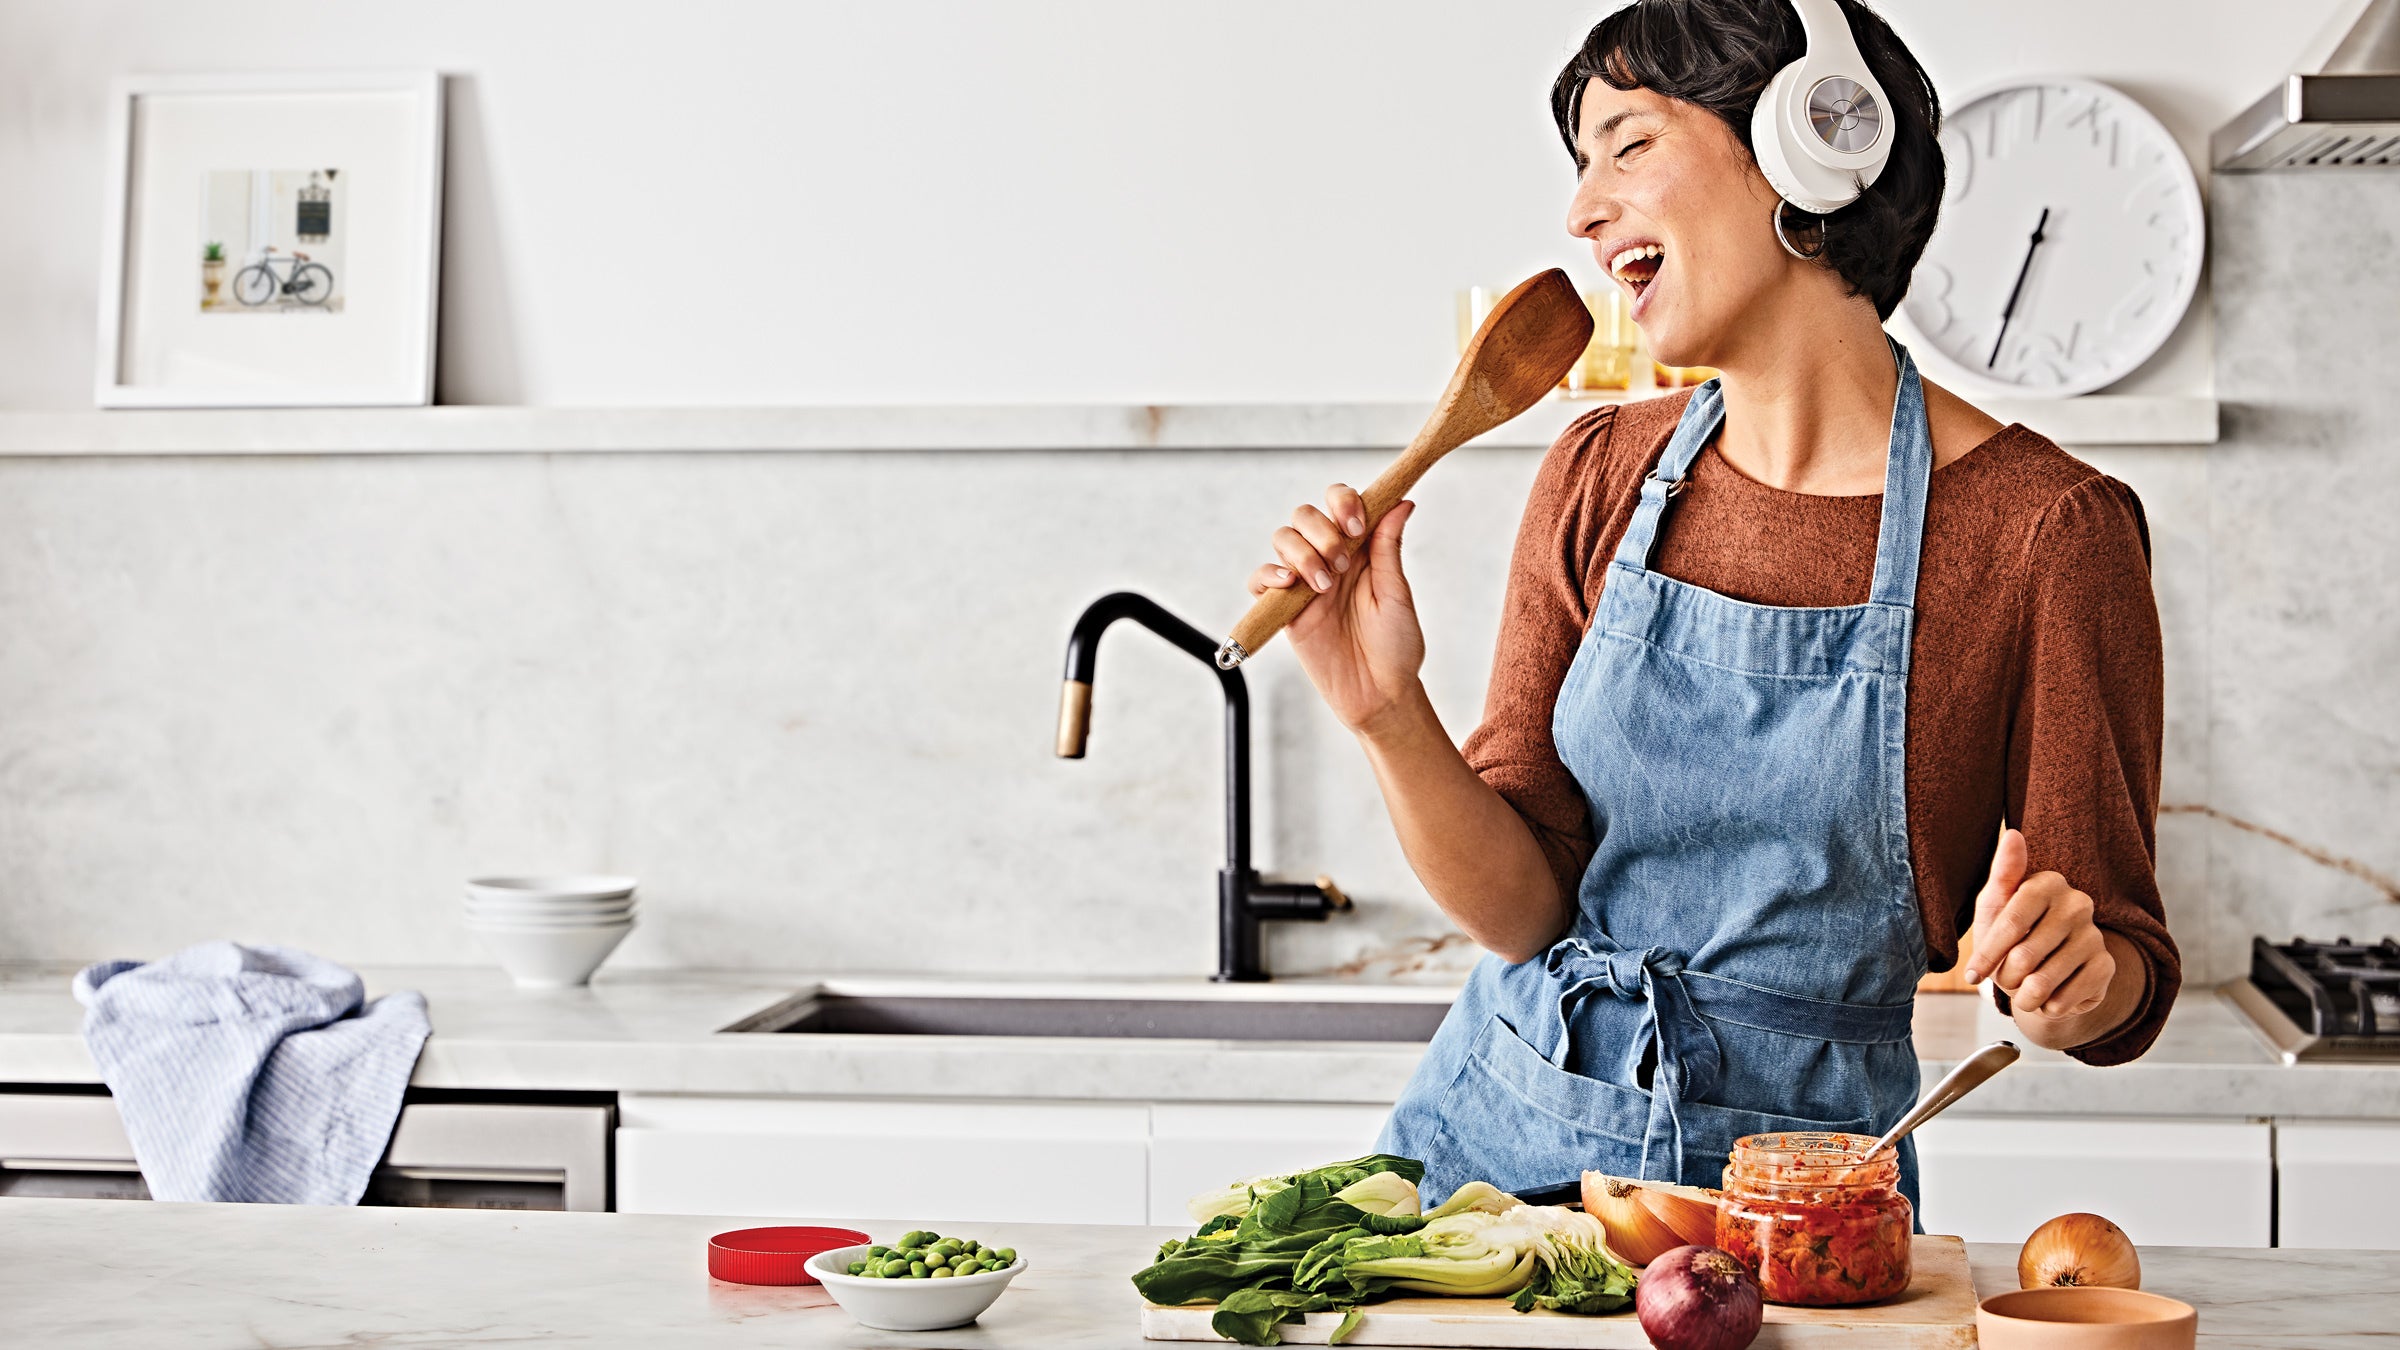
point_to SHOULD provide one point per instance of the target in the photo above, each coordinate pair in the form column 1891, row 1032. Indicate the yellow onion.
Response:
column 1647, row 1219
column 2079, row 1249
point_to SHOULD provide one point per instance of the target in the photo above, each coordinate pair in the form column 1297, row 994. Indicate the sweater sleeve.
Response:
column 1541, row 626
column 2085, row 740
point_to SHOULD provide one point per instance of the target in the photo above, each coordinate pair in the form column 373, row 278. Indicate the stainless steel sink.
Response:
column 833, row 1014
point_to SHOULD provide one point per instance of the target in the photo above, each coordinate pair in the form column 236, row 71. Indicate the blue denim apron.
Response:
column 1746, row 943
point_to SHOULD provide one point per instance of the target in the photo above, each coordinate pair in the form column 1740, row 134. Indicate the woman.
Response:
column 1778, row 660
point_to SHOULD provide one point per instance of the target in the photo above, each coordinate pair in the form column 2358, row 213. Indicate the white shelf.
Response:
column 2098, row 419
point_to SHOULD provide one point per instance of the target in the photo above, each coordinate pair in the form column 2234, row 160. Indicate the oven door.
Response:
column 507, row 1152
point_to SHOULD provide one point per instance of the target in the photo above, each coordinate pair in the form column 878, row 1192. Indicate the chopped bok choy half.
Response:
column 1274, row 1249
column 1396, row 1194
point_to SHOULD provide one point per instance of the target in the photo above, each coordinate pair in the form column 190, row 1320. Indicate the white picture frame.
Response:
column 183, row 147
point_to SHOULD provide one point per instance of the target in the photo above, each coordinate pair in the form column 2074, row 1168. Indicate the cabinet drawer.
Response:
column 2178, row 1183
column 971, row 1161
column 1201, row 1146
column 2338, row 1184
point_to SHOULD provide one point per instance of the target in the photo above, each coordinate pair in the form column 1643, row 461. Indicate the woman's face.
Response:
column 1678, row 215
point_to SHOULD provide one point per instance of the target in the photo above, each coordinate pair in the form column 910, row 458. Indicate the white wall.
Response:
column 809, row 697
column 970, row 201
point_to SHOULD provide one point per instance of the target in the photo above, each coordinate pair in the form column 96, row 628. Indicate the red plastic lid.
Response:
column 774, row 1255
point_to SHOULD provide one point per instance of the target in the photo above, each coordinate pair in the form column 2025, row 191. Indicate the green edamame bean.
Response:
column 878, row 1252
column 938, row 1260
column 917, row 1270
column 894, row 1269
column 942, row 1274
column 1007, row 1255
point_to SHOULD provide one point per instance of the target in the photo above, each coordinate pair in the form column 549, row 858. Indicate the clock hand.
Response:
column 2013, row 291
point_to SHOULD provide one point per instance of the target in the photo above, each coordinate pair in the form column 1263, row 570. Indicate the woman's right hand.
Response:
column 1358, row 640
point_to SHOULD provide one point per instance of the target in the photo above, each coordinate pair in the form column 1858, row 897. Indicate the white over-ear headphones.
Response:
column 1820, row 131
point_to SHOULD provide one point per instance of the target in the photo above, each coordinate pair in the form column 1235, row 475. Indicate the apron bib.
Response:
column 1746, row 943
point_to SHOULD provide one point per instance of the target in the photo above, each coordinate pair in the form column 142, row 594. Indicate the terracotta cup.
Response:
column 2085, row 1319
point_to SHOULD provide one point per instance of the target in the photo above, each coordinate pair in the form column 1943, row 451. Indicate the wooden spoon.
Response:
column 1526, row 345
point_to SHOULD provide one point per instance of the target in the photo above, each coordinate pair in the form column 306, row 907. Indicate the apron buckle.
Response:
column 1675, row 486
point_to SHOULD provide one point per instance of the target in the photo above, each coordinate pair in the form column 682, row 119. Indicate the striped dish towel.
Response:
column 251, row 1073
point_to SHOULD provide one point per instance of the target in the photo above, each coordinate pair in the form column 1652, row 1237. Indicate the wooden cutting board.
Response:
column 1937, row 1311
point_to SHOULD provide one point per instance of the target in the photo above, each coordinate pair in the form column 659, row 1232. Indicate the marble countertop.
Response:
column 114, row 1273
column 659, row 1031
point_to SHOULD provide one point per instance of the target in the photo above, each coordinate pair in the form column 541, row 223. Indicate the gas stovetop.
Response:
column 2320, row 1001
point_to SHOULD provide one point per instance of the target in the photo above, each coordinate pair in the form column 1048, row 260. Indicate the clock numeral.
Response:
column 1929, row 299
column 2089, row 117
column 2136, row 306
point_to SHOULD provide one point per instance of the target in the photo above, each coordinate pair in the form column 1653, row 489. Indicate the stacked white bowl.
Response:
column 550, row 932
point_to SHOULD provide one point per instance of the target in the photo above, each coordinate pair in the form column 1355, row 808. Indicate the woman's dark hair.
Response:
column 1720, row 54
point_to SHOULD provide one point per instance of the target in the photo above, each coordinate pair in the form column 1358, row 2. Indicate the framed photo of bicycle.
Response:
column 272, row 241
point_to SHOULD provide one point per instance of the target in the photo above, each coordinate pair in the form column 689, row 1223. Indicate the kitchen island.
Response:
column 76, row 1273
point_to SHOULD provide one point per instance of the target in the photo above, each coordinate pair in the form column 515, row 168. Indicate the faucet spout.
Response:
column 1083, row 661
column 1243, row 898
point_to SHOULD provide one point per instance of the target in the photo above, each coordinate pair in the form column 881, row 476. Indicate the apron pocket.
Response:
column 1516, row 1120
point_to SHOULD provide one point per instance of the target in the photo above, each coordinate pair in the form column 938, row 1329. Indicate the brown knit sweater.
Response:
column 2034, row 685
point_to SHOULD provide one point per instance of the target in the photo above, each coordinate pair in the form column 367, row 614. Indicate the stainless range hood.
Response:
column 2346, row 116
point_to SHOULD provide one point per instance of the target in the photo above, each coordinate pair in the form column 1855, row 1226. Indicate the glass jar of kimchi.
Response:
column 1818, row 1221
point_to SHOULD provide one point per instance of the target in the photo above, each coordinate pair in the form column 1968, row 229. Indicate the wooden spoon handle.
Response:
column 1274, row 610
column 1527, row 342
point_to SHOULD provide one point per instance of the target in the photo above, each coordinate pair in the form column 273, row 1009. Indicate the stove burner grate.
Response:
column 2328, row 989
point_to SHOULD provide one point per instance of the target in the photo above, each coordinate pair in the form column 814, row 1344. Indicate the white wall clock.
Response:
column 2069, row 244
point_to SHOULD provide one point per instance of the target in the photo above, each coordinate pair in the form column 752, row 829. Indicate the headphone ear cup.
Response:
column 1767, row 143
column 1796, row 176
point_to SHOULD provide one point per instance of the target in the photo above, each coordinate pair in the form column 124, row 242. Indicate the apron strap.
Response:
column 1907, row 469
column 1689, row 1057
column 1701, row 418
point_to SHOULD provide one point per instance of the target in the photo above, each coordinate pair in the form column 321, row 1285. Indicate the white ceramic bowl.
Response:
column 513, row 921
column 498, row 911
column 908, row 1305
column 566, row 888
column 550, row 956
column 569, row 903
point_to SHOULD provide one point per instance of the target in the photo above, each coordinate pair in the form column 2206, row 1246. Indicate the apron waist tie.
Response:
column 1689, row 1058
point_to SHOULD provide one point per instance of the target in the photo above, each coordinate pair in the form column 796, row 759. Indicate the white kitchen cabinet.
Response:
column 972, row 1161
column 2181, row 1183
column 1201, row 1146
column 2338, row 1184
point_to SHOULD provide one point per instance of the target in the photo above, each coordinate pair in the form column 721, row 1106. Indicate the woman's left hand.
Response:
column 2034, row 936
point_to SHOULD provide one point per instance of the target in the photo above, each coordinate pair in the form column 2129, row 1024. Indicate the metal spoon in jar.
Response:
column 1968, row 1076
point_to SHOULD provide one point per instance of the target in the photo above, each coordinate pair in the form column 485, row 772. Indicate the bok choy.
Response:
column 1271, row 1250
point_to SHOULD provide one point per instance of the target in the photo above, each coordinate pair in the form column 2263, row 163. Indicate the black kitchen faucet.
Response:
column 1243, row 899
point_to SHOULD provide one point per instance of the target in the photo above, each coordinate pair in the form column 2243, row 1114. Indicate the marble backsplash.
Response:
column 809, row 698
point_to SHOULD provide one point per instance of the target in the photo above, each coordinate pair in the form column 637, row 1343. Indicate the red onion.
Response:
column 1698, row 1298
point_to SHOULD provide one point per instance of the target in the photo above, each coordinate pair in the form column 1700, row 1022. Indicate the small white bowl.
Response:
column 558, row 921
column 550, row 956
column 547, row 903
column 608, row 911
column 569, row 888
column 908, row 1305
